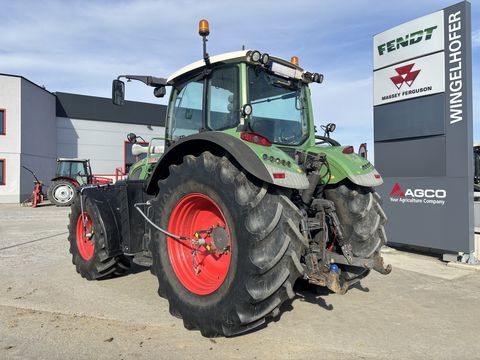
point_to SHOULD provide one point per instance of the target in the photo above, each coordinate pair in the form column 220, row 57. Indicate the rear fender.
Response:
column 105, row 200
column 352, row 166
column 247, row 154
column 73, row 181
column 125, row 229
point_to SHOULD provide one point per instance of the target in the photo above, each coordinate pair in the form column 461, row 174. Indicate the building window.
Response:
column 131, row 159
column 3, row 171
column 3, row 121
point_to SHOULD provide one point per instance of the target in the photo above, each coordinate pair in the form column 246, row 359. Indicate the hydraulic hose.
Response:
column 163, row 231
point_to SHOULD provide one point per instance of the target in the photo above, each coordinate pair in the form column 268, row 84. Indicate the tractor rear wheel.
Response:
column 87, row 244
column 61, row 192
column 362, row 218
column 232, row 292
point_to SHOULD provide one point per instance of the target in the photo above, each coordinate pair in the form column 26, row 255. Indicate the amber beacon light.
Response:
column 294, row 60
column 203, row 28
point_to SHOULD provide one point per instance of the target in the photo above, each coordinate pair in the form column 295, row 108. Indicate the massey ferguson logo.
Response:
column 405, row 76
column 418, row 196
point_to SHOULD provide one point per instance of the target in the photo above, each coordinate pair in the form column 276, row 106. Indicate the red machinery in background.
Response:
column 37, row 194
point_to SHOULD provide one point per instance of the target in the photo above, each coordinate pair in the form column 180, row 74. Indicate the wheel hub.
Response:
column 84, row 233
column 63, row 193
column 202, row 265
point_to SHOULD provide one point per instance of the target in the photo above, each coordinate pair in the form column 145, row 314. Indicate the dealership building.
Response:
column 38, row 126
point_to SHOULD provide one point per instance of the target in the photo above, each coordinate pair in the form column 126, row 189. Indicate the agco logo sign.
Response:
column 418, row 196
column 405, row 75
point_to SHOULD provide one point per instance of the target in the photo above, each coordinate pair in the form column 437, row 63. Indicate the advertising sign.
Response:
column 409, row 79
column 423, row 130
column 413, row 39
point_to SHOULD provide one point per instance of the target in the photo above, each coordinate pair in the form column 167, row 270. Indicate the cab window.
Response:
column 223, row 91
column 185, row 117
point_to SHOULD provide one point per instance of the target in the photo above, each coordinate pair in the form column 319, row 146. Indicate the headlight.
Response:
column 246, row 110
column 318, row 78
column 255, row 56
column 265, row 59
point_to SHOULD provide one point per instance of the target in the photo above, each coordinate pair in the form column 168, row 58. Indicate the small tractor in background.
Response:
column 70, row 174
column 244, row 200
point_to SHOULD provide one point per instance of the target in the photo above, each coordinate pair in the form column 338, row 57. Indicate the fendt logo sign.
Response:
column 405, row 75
column 404, row 41
column 413, row 39
column 418, row 195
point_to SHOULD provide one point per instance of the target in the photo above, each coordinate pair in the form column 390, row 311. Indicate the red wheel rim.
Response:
column 193, row 213
column 84, row 245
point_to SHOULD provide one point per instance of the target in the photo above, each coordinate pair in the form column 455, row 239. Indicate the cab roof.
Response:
column 234, row 56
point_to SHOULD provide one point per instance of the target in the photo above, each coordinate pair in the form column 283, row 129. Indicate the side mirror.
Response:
column 118, row 92
column 160, row 91
column 331, row 127
column 132, row 137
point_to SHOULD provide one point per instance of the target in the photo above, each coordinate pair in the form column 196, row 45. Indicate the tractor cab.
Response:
column 76, row 170
column 245, row 92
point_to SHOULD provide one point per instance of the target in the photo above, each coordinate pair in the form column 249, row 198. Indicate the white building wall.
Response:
column 101, row 142
column 10, row 144
column 38, row 137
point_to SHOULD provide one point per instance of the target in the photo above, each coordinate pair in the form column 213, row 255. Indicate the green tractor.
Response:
column 143, row 167
column 245, row 199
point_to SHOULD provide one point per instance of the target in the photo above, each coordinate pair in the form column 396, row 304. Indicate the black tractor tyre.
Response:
column 89, row 255
column 362, row 218
column 266, row 247
column 71, row 192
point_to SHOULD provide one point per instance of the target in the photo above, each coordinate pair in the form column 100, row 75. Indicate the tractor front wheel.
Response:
column 87, row 244
column 61, row 193
column 230, row 292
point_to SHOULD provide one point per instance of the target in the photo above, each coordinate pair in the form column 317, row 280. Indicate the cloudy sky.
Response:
column 80, row 46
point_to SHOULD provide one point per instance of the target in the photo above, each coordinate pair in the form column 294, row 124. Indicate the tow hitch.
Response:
column 323, row 260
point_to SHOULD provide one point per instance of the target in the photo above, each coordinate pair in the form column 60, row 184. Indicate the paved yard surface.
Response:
column 423, row 309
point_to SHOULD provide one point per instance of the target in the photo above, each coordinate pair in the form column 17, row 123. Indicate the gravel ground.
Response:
column 423, row 309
